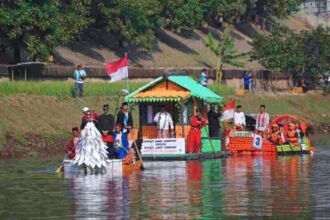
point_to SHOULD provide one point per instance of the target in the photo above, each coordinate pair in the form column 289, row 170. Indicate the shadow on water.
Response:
column 294, row 187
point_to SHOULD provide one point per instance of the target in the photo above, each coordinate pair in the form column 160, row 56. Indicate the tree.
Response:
column 224, row 10
column 226, row 53
column 182, row 14
column 41, row 26
column 279, row 51
column 133, row 21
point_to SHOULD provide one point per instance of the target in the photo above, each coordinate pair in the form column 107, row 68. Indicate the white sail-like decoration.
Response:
column 92, row 150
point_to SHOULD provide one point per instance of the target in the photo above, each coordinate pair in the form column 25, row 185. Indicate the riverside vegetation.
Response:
column 36, row 117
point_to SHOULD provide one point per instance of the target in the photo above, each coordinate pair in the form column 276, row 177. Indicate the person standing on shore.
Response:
column 246, row 80
column 79, row 76
column 204, row 77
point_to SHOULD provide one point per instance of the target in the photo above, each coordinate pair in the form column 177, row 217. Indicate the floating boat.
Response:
column 277, row 142
column 180, row 94
column 114, row 167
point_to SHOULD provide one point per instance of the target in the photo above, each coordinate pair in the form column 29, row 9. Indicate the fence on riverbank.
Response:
column 37, row 71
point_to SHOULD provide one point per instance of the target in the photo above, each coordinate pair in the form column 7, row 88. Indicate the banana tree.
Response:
column 226, row 53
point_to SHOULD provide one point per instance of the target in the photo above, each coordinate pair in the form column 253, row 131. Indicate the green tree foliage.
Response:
column 276, row 8
column 40, row 26
column 226, row 53
column 229, row 11
column 305, row 53
column 133, row 21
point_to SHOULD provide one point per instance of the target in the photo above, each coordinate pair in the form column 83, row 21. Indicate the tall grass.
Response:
column 91, row 88
column 65, row 88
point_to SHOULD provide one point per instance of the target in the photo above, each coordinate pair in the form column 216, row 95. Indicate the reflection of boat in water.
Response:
column 287, row 134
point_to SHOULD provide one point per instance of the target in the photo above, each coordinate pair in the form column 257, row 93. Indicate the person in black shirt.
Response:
column 124, row 117
column 213, row 118
column 106, row 126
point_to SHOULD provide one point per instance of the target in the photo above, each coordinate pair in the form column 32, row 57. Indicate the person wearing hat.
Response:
column 71, row 146
column 120, row 141
column 106, row 126
column 86, row 111
column 124, row 117
column 88, row 117
column 79, row 76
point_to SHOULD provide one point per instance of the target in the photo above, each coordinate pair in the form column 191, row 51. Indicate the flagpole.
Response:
column 127, row 80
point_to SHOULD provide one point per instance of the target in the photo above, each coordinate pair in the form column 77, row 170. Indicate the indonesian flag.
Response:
column 117, row 70
column 228, row 112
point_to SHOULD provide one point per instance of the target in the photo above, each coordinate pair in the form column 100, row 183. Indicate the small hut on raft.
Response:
column 181, row 95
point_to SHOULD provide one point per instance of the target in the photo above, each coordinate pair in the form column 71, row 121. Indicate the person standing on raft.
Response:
column 164, row 123
column 106, row 126
column 214, row 126
column 262, row 121
column 124, row 117
column 197, row 122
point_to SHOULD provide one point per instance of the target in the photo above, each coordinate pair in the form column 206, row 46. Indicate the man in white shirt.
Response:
column 164, row 123
column 262, row 121
column 239, row 119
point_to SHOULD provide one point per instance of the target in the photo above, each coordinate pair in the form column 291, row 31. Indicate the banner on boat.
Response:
column 163, row 146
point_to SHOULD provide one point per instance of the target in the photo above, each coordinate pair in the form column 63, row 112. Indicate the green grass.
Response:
column 65, row 88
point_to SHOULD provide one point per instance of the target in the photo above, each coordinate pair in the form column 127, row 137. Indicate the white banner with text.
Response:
column 163, row 146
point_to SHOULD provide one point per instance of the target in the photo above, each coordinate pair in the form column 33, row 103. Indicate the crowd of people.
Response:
column 114, row 132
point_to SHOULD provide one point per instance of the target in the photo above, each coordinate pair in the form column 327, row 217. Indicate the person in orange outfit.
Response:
column 71, row 146
column 292, row 135
column 197, row 122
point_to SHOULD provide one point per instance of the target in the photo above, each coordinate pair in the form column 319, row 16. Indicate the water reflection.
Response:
column 275, row 187
column 242, row 186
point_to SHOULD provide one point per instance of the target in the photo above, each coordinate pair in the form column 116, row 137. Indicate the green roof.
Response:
column 186, row 82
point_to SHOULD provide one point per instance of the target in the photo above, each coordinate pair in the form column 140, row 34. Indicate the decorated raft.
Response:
column 180, row 94
column 287, row 134
column 114, row 167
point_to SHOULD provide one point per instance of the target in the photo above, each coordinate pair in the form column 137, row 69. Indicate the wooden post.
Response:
column 12, row 74
column 25, row 74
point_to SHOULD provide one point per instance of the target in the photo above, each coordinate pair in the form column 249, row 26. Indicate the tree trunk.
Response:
column 17, row 54
column 219, row 71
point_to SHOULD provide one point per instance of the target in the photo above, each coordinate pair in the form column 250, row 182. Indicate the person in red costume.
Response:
column 71, row 146
column 197, row 122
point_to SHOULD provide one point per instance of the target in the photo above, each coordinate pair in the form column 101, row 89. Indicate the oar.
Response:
column 138, row 153
column 59, row 169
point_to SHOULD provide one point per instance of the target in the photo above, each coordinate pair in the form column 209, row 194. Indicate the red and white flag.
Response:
column 117, row 70
column 228, row 112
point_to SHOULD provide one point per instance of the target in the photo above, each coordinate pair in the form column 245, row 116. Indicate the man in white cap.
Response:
column 87, row 111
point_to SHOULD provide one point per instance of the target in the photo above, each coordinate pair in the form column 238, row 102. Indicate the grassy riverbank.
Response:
column 37, row 122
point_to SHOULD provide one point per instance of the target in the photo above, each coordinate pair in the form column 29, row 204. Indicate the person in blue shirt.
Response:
column 204, row 76
column 79, row 76
column 120, row 141
column 246, row 80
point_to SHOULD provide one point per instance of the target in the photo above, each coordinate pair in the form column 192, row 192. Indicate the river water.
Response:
column 290, row 187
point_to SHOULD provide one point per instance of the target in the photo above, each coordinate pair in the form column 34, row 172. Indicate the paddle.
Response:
column 138, row 153
column 59, row 169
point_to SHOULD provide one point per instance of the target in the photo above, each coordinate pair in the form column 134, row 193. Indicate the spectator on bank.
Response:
column 246, row 80
column 204, row 77
column 253, row 83
column 79, row 76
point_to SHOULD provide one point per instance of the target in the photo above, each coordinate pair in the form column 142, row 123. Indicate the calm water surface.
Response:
column 290, row 187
